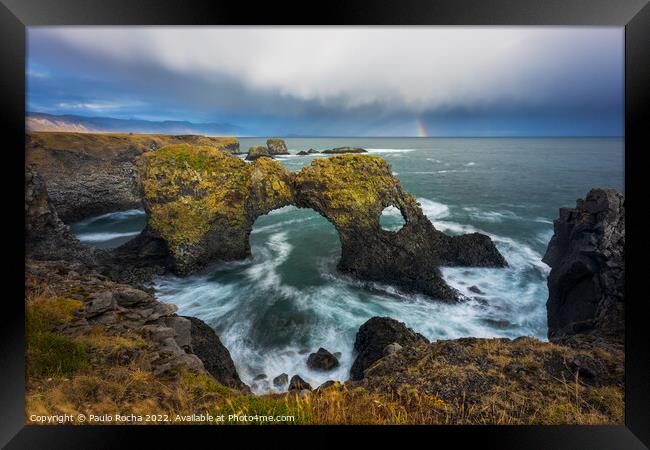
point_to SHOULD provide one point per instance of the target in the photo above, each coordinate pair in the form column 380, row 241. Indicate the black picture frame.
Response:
column 634, row 15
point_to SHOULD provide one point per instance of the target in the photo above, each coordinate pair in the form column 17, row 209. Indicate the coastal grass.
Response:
column 103, row 373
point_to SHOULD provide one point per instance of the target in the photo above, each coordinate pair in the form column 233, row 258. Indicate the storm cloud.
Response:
column 456, row 81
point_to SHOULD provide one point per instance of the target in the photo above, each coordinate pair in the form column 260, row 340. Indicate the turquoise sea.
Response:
column 288, row 300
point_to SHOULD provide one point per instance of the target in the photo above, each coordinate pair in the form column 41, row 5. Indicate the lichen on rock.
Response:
column 202, row 201
column 203, row 204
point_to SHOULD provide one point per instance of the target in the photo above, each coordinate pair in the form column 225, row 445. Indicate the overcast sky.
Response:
column 330, row 81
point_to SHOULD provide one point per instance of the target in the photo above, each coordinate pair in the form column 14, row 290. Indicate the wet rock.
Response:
column 374, row 336
column 215, row 356
column 476, row 290
column 307, row 152
column 298, row 384
column 281, row 380
column 587, row 258
column 261, row 376
column 277, row 147
column 258, row 152
column 322, row 360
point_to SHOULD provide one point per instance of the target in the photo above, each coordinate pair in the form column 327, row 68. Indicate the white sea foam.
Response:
column 103, row 237
column 390, row 150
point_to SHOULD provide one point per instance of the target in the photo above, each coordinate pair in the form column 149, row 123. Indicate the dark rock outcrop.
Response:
column 311, row 151
column 342, row 150
column 258, row 152
column 89, row 174
column 298, row 384
column 374, row 336
column 205, row 344
column 46, row 236
column 172, row 342
column 277, row 147
column 281, row 380
column 322, row 360
column 587, row 256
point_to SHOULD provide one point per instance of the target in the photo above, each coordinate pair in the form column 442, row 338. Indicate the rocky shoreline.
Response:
column 468, row 376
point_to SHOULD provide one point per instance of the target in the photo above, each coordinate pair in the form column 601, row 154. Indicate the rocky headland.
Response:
column 88, row 174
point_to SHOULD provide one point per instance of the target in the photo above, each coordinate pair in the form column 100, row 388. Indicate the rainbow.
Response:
column 422, row 132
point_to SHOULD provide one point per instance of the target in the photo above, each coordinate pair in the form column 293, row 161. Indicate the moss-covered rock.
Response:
column 277, row 146
column 203, row 202
column 351, row 191
column 94, row 173
column 258, row 152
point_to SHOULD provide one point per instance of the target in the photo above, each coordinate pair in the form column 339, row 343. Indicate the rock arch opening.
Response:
column 110, row 230
column 299, row 245
column 391, row 219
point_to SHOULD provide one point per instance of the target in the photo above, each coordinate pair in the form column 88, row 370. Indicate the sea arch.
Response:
column 203, row 203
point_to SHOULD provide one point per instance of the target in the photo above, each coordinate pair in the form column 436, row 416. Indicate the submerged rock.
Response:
column 476, row 290
column 298, row 384
column 374, row 337
column 587, row 258
column 322, row 360
column 341, row 150
column 258, row 152
column 277, row 147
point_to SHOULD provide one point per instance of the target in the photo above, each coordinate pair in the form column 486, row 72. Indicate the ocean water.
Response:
column 288, row 300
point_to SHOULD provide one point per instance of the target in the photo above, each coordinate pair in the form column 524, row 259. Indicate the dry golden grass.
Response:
column 86, row 373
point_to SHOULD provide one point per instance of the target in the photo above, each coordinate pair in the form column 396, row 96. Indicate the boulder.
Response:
column 298, row 384
column 476, row 290
column 277, row 147
column 341, row 150
column 281, row 380
column 215, row 356
column 372, row 339
column 322, row 360
column 258, row 152
column 587, row 258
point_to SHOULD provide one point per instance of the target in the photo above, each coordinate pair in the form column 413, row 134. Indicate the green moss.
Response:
column 351, row 186
column 188, row 188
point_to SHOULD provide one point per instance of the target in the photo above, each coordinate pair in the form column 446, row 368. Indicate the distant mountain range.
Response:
column 49, row 122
